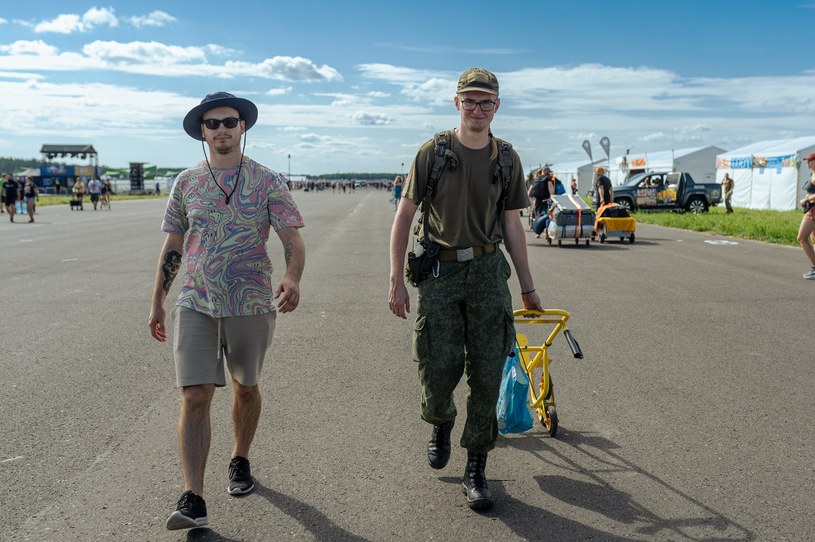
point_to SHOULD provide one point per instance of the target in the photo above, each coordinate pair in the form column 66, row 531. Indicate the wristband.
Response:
column 529, row 292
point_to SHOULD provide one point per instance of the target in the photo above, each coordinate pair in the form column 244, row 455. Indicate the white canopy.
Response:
column 767, row 174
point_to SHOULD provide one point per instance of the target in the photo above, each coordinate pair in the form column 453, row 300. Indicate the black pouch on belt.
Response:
column 421, row 263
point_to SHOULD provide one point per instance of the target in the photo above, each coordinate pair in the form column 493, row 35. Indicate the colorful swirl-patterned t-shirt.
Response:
column 226, row 270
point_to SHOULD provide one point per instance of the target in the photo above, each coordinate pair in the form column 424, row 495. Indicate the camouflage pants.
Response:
column 464, row 326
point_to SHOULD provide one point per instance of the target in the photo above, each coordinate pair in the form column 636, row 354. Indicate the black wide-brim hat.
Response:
column 247, row 110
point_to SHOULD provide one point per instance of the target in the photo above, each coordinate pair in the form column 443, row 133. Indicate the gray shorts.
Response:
column 201, row 342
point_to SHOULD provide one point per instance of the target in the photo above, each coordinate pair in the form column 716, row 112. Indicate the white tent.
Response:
column 581, row 170
column 700, row 162
column 767, row 174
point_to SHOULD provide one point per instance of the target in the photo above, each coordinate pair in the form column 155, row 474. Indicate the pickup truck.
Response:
column 676, row 191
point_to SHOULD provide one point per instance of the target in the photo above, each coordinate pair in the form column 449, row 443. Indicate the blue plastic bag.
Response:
column 512, row 409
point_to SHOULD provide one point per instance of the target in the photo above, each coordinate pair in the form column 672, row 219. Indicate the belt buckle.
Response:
column 465, row 254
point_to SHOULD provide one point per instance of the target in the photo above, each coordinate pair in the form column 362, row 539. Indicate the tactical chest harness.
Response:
column 429, row 252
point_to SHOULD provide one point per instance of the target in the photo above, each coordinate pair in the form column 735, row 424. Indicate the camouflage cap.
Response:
column 477, row 79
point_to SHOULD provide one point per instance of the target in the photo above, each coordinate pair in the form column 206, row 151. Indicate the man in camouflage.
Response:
column 464, row 323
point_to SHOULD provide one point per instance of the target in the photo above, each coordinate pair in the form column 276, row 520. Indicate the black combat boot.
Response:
column 475, row 482
column 438, row 449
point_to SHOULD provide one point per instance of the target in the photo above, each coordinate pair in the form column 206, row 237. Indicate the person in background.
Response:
column 542, row 190
column 104, row 194
column 806, row 230
column 11, row 193
column 464, row 324
column 727, row 187
column 30, row 195
column 218, row 219
column 397, row 192
column 574, row 186
column 94, row 189
column 603, row 194
column 78, row 190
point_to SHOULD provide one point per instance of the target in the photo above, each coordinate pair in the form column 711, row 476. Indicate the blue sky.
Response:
column 358, row 86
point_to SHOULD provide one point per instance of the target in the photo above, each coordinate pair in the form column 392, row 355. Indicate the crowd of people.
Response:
column 20, row 195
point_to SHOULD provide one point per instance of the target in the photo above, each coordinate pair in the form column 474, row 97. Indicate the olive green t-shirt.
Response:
column 463, row 212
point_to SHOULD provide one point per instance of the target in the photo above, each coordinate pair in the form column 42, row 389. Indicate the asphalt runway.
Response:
column 690, row 417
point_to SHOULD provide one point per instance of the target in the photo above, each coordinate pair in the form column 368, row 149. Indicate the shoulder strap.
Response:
column 503, row 170
column 441, row 155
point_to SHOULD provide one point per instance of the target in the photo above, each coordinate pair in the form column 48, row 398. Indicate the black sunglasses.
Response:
column 228, row 122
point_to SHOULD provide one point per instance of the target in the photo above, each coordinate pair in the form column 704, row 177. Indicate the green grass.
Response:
column 780, row 227
column 63, row 200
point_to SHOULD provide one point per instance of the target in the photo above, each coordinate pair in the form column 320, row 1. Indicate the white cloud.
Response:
column 3, row 21
column 97, row 17
column 63, row 24
column 285, row 68
column 371, row 119
column 142, row 53
column 37, row 47
column 154, row 18
column 654, row 137
column 158, row 59
column 278, row 91
column 70, row 23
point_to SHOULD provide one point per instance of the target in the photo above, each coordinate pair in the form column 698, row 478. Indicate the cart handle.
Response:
column 531, row 316
column 573, row 346
column 550, row 316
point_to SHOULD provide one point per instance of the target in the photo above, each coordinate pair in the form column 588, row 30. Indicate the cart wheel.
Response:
column 631, row 239
column 549, row 240
column 622, row 239
column 559, row 243
column 577, row 242
column 550, row 422
column 548, row 417
column 587, row 242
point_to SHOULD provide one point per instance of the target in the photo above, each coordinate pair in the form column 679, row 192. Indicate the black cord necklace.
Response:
column 237, row 177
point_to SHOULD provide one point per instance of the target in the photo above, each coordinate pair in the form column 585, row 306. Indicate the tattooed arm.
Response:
column 288, row 291
column 169, row 262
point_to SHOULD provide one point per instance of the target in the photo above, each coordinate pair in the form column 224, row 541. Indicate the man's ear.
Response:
column 457, row 102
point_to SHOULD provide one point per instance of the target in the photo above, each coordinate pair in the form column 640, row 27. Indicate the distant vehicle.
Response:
column 675, row 191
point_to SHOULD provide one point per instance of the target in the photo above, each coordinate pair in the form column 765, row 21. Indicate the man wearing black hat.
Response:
column 217, row 223
column 464, row 322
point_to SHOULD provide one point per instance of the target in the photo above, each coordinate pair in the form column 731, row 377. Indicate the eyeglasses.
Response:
column 228, row 122
column 470, row 105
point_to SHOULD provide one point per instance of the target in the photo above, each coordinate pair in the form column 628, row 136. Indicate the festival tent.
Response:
column 700, row 162
column 767, row 174
column 581, row 170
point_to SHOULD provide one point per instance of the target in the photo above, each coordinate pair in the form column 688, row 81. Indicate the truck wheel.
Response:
column 625, row 202
column 696, row 205
column 631, row 239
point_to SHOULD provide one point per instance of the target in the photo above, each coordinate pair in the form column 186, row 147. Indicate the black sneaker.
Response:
column 191, row 511
column 240, row 477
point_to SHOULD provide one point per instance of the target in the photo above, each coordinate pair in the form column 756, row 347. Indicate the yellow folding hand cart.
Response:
column 535, row 359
